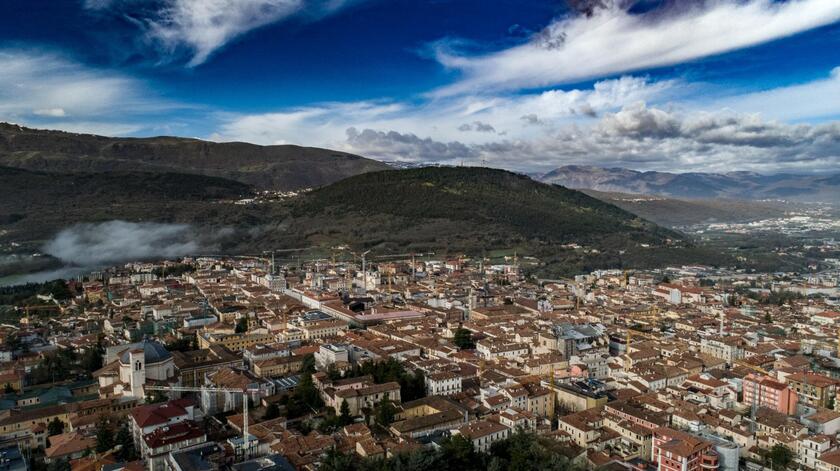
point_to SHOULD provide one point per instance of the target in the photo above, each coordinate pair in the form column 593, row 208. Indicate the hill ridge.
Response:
column 276, row 167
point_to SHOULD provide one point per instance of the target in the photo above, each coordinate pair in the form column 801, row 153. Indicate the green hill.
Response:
column 491, row 207
column 444, row 210
column 282, row 167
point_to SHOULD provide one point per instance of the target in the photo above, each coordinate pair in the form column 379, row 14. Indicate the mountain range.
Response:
column 55, row 180
column 733, row 185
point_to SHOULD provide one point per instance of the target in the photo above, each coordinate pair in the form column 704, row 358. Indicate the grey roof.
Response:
column 153, row 352
column 273, row 462
column 578, row 331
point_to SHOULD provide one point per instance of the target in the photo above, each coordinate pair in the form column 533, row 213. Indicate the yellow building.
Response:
column 234, row 342
column 278, row 366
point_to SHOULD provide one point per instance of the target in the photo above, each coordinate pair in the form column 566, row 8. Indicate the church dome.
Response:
column 153, row 352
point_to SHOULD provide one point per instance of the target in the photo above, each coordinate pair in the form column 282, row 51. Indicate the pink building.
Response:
column 767, row 392
column 679, row 451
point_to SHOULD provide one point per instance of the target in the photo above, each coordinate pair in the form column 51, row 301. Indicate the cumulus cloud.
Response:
column 531, row 118
column 477, row 126
column 201, row 27
column 641, row 137
column 454, row 119
column 392, row 145
column 90, row 245
column 610, row 40
column 629, row 121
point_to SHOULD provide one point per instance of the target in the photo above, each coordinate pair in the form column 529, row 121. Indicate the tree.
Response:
column 337, row 461
column 184, row 344
column 458, row 452
column 307, row 365
column 241, row 325
column 8, row 389
column 127, row 451
column 344, row 417
column 104, row 436
column 272, row 411
column 59, row 465
column 780, row 457
column 385, row 412
column 463, row 339
column 305, row 398
column 55, row 427
column 92, row 358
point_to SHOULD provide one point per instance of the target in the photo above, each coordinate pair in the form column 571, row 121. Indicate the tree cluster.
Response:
column 303, row 400
column 523, row 451
column 25, row 294
column 412, row 385
column 463, row 339
column 173, row 271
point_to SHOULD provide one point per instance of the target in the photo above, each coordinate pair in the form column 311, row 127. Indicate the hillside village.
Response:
column 238, row 363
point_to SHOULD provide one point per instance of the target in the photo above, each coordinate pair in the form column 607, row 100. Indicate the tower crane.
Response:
column 246, row 441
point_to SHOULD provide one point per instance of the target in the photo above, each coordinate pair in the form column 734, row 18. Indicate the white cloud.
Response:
column 48, row 90
column 471, row 119
column 612, row 41
column 36, row 83
column 392, row 145
column 814, row 100
column 637, row 136
column 51, row 112
column 201, row 27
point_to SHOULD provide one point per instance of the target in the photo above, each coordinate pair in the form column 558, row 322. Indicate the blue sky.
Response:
column 714, row 85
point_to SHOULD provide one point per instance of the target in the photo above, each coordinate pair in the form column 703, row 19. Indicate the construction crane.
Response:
column 245, row 438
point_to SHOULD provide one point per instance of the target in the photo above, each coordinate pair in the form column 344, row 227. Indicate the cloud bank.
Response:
column 613, row 40
column 90, row 245
column 638, row 137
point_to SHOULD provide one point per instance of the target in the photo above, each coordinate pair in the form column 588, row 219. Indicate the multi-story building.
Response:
column 577, row 339
column 157, row 445
column 367, row 396
column 764, row 391
column 213, row 401
column 192, row 366
column 277, row 367
column 483, row 433
column 443, row 383
column 813, row 389
column 234, row 342
column 810, row 448
column 673, row 450
column 152, row 428
column 729, row 349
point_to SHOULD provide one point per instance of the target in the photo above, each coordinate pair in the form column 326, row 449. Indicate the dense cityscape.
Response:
column 241, row 363
column 420, row 235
